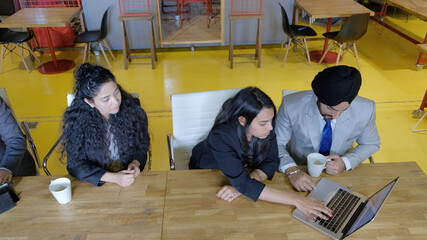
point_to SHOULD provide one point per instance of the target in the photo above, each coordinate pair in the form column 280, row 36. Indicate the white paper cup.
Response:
column 61, row 190
column 316, row 163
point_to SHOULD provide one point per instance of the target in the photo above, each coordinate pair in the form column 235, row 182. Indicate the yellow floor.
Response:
column 387, row 66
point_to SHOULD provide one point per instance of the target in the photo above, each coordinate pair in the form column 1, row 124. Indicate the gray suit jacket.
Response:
column 299, row 134
column 12, row 140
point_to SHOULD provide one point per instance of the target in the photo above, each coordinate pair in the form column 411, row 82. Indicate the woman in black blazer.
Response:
column 243, row 145
column 105, row 130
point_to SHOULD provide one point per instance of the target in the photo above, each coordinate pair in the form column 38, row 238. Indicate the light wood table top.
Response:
column 183, row 205
column 415, row 7
column 331, row 8
column 192, row 211
column 41, row 17
column 107, row 212
column 45, row 17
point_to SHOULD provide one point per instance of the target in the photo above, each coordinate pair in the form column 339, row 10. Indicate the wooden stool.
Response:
column 257, row 54
column 127, row 56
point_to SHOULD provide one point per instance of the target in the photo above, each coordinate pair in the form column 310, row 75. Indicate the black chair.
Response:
column 295, row 34
column 352, row 30
column 96, row 36
column 19, row 41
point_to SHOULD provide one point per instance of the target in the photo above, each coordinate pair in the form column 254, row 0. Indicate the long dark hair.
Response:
column 248, row 103
column 85, row 130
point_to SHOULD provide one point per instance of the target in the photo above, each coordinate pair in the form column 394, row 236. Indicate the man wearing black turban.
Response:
column 333, row 107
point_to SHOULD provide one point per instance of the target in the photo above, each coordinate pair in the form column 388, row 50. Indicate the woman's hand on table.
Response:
column 228, row 193
column 123, row 178
column 133, row 168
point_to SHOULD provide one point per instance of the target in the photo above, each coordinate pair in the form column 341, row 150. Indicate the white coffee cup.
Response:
column 61, row 190
column 316, row 163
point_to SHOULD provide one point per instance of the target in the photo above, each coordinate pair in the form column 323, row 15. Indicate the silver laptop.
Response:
column 351, row 209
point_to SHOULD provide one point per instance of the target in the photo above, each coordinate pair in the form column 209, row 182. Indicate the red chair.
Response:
column 186, row 3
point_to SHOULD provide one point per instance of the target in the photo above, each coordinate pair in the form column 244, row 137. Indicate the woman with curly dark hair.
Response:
column 105, row 130
column 243, row 145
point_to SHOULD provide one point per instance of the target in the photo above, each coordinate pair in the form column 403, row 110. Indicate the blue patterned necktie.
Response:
column 325, row 144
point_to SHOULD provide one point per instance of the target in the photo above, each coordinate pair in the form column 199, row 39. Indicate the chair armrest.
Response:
column 50, row 153
column 34, row 153
column 169, row 138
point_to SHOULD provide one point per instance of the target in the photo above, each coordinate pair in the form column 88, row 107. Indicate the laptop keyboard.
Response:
column 341, row 204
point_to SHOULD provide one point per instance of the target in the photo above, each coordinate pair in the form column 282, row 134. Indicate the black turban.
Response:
column 337, row 84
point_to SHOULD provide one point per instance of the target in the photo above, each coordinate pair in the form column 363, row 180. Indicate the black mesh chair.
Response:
column 98, row 37
column 19, row 41
column 352, row 30
column 295, row 34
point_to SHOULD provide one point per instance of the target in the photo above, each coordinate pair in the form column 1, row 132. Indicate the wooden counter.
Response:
column 182, row 205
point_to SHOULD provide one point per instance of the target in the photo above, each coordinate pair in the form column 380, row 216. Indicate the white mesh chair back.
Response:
column 193, row 115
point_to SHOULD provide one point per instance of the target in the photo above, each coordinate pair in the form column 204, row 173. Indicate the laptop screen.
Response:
column 372, row 207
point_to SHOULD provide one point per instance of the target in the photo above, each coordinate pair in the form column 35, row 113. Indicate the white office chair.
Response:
column 288, row 91
column 193, row 115
column 70, row 98
column 31, row 147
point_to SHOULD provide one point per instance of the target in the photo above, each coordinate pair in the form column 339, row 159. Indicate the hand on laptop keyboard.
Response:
column 313, row 208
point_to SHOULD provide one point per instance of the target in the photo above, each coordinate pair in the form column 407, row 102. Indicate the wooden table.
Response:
column 417, row 8
column 45, row 17
column 182, row 204
column 327, row 9
column 107, row 212
column 193, row 212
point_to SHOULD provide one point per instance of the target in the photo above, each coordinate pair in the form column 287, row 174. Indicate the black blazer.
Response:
column 222, row 150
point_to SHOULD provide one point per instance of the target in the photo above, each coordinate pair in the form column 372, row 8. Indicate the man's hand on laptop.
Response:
column 301, row 181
